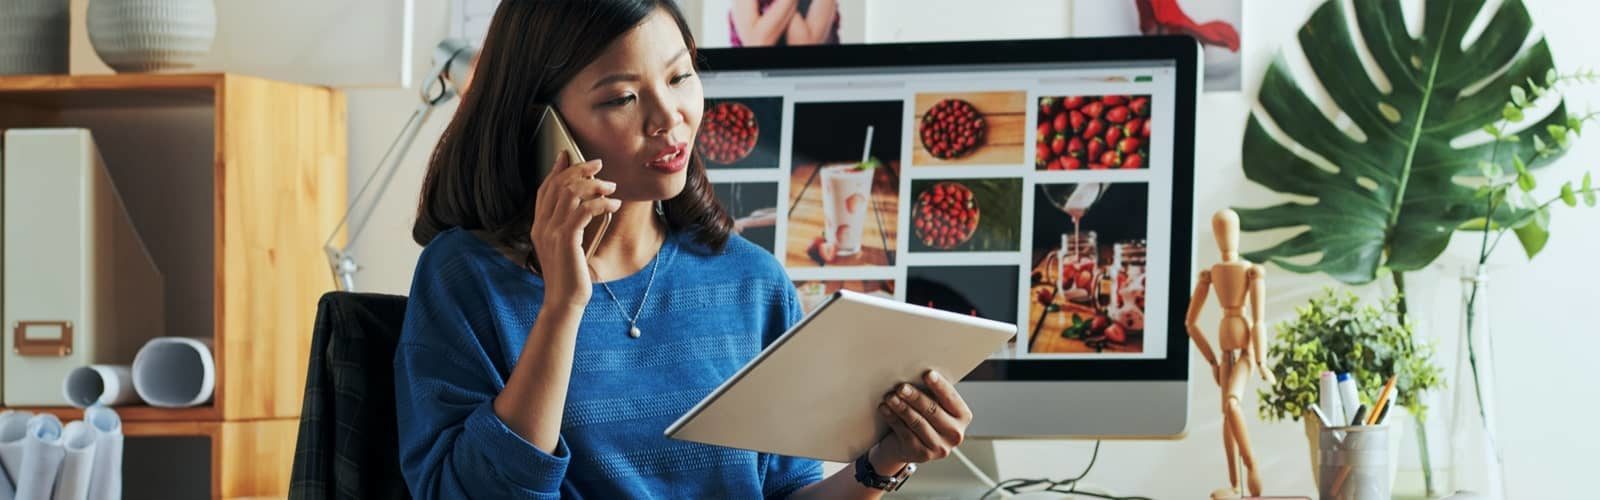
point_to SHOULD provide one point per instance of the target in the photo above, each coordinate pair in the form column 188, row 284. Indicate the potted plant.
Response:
column 1340, row 334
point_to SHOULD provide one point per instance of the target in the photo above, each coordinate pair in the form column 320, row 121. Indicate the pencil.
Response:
column 1382, row 402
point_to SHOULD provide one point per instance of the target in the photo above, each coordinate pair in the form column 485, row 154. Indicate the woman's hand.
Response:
column 568, row 199
column 925, row 425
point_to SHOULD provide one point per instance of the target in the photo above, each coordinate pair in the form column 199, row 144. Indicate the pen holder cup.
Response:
column 1355, row 463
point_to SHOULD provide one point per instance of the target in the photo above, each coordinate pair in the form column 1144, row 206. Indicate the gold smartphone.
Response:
column 553, row 139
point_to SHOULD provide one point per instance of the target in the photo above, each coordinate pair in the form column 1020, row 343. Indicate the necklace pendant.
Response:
column 633, row 331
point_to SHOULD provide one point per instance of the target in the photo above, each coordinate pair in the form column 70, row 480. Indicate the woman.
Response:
column 759, row 23
column 525, row 369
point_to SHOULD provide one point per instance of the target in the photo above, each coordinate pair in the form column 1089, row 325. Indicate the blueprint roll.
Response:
column 78, row 442
column 13, row 427
column 99, row 384
column 175, row 372
column 41, row 458
column 107, row 481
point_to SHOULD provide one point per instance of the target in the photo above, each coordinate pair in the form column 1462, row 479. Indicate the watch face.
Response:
column 901, row 477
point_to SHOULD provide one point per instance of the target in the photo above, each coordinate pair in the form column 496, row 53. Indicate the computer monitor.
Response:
column 1046, row 183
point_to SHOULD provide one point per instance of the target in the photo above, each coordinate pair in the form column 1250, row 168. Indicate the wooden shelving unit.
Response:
column 233, row 183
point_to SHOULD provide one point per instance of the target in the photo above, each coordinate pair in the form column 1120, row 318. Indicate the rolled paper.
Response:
column 174, row 372
column 107, row 481
column 103, row 384
column 78, row 442
column 41, row 458
column 13, row 427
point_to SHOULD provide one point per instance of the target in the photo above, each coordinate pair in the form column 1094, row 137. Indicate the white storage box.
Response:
column 80, row 286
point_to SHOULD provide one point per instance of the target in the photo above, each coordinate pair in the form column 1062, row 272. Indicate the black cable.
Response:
column 1015, row 484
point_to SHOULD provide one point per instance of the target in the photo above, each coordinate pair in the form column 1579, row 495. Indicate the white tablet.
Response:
column 814, row 392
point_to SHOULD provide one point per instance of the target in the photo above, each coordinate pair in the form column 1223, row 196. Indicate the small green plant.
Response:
column 1339, row 334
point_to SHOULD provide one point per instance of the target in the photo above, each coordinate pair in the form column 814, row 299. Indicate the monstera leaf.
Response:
column 1392, row 193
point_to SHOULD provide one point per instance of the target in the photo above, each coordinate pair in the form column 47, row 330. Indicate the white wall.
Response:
column 940, row 20
column 1546, row 339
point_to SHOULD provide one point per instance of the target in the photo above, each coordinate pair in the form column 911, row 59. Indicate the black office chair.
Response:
column 347, row 447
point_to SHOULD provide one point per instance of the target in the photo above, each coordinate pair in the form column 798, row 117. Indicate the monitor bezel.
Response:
column 1184, row 52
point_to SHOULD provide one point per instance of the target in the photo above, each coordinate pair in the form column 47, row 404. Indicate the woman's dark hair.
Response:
column 481, row 175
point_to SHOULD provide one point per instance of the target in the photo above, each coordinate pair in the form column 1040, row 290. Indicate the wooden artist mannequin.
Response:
column 1239, row 339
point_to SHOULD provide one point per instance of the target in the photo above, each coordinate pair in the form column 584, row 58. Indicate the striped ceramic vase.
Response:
column 151, row 35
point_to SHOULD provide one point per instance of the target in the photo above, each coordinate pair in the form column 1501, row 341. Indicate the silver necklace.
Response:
column 633, row 329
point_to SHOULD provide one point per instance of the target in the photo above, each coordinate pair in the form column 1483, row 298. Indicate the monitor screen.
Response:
column 1042, row 183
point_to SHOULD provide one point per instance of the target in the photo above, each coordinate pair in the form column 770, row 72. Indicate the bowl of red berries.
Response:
column 728, row 133
column 945, row 215
column 952, row 128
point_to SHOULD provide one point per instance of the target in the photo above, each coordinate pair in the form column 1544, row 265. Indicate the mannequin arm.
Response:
column 1258, row 297
column 1192, row 323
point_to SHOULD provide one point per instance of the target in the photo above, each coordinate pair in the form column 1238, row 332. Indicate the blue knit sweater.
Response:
column 468, row 317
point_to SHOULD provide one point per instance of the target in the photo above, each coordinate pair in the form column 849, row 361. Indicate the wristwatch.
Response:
column 866, row 476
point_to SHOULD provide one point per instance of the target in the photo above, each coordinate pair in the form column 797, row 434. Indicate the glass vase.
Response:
column 1476, row 450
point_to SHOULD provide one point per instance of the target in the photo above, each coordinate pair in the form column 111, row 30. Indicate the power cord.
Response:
column 1066, row 486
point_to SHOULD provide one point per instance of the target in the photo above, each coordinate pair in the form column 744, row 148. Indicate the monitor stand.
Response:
column 949, row 478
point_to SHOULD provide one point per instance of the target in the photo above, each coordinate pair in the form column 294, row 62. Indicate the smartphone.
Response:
column 553, row 139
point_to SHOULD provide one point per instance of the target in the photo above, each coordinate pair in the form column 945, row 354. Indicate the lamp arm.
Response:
column 361, row 207
column 452, row 62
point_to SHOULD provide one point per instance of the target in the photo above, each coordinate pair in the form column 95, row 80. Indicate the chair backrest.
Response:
column 347, row 446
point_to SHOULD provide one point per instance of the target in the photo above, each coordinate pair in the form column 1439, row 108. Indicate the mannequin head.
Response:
column 1225, row 227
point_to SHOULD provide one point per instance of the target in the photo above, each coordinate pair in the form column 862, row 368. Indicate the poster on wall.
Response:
column 764, row 23
column 1217, row 24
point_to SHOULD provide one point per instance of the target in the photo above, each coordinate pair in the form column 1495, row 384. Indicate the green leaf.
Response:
column 1525, row 181
column 1492, row 130
column 1588, row 191
column 1534, row 236
column 1550, row 77
column 1567, row 196
column 1559, row 133
column 1519, row 97
column 1512, row 113
column 1575, row 124
column 1391, row 200
column 1522, row 168
column 1490, row 171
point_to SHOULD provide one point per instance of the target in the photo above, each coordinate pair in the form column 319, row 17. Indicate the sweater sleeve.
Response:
column 447, row 374
column 782, row 475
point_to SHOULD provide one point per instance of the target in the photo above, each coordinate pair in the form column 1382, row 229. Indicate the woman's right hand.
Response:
column 568, row 199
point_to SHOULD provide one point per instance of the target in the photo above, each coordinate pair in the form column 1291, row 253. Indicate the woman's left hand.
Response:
column 926, row 424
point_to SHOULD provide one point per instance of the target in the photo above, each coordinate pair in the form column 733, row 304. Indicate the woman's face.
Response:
column 637, row 109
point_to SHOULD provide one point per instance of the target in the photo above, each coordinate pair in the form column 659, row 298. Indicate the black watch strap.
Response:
column 872, row 479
